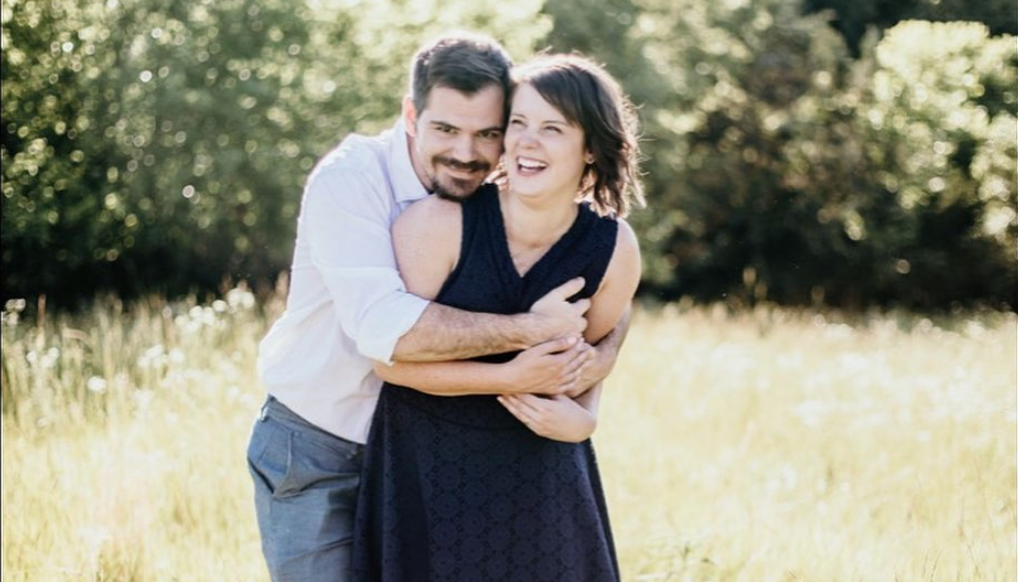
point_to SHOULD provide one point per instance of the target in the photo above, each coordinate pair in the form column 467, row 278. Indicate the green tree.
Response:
column 162, row 146
column 158, row 127
column 778, row 184
column 936, row 109
column 853, row 18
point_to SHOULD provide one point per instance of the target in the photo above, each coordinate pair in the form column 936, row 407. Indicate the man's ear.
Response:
column 409, row 116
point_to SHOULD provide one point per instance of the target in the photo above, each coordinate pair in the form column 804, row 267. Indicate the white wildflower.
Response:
column 96, row 384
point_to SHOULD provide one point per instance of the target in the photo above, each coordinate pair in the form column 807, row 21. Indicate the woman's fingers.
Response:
column 525, row 407
column 513, row 407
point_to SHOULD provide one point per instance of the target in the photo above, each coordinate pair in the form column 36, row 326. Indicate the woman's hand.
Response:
column 558, row 417
column 550, row 368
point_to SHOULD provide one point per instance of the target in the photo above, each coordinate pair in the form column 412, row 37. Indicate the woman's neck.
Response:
column 536, row 223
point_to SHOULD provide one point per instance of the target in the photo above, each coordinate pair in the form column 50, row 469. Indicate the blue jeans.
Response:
column 305, row 483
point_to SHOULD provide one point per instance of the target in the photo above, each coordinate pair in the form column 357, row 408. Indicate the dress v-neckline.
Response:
column 548, row 255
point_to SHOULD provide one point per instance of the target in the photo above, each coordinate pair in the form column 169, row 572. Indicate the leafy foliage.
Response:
column 785, row 169
column 853, row 18
column 162, row 146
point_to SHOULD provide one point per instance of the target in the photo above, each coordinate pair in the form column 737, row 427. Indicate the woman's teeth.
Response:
column 530, row 164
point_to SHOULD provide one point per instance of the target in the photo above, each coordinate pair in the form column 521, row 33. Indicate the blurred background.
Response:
column 820, row 380
column 845, row 153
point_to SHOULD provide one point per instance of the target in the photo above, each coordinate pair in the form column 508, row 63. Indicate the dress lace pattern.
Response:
column 455, row 488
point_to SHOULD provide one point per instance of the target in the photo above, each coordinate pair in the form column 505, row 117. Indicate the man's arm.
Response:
column 549, row 368
column 444, row 333
column 426, row 239
column 605, row 354
column 347, row 229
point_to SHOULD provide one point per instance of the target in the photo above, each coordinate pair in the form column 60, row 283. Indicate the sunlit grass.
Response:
column 760, row 445
column 773, row 445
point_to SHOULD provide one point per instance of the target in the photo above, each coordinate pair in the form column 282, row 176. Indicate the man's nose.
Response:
column 464, row 149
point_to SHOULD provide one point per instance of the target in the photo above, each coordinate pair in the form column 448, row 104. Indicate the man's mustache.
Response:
column 475, row 166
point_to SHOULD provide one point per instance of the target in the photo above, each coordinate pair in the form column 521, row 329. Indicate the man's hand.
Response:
column 555, row 316
column 605, row 353
column 593, row 371
column 558, row 418
column 550, row 368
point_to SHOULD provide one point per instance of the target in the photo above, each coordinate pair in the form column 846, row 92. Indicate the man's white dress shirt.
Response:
column 347, row 304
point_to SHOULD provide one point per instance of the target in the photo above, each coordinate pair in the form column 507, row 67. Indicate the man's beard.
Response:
column 457, row 189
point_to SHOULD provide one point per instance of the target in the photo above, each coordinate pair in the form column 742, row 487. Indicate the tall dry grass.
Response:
column 759, row 445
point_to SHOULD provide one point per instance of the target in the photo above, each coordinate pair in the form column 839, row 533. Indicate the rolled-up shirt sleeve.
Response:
column 348, row 219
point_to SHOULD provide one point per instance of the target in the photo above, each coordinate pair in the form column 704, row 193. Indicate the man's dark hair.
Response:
column 462, row 61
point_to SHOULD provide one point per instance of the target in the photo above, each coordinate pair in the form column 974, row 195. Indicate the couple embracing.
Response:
column 460, row 287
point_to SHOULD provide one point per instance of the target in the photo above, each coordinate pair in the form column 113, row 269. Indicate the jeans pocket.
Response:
column 313, row 463
column 268, row 456
column 289, row 462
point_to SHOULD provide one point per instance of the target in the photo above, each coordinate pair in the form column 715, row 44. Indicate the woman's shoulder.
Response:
column 426, row 238
column 432, row 222
column 620, row 241
column 627, row 245
column 626, row 234
column 430, row 210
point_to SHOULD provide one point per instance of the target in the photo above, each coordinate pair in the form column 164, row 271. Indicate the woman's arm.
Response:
column 550, row 368
column 426, row 239
column 618, row 286
column 560, row 418
column 574, row 420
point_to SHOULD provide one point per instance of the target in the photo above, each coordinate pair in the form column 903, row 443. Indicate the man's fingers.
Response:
column 580, row 356
column 576, row 363
column 555, row 346
column 569, row 288
column 559, row 345
column 582, row 305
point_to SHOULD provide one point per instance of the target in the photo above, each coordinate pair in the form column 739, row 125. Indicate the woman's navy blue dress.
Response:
column 457, row 489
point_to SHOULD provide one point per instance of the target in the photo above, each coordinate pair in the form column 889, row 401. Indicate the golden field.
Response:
column 754, row 445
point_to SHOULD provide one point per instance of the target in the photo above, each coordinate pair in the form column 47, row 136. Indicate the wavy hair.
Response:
column 588, row 96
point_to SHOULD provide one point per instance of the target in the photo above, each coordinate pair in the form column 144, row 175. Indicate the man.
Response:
column 347, row 308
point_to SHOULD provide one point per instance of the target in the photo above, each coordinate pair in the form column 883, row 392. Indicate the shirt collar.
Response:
column 406, row 185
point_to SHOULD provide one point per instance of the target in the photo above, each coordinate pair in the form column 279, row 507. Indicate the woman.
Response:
column 459, row 488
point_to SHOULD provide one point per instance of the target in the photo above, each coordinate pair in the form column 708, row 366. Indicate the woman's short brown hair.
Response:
column 588, row 96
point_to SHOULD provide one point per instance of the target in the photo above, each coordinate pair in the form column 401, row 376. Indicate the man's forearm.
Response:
column 549, row 368
column 591, row 398
column 606, row 353
column 445, row 333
